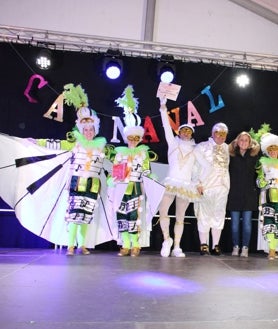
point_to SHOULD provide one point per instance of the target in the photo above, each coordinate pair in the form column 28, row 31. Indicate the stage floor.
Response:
column 45, row 289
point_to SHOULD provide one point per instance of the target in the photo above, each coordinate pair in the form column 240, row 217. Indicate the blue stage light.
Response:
column 166, row 69
column 113, row 64
column 166, row 75
column 113, row 70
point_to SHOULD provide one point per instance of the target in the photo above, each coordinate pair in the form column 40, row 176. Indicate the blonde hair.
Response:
column 254, row 146
column 244, row 133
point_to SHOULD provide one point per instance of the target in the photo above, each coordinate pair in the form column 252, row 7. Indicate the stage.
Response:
column 45, row 289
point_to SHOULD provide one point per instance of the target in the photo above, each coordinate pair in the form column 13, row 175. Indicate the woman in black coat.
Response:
column 243, row 195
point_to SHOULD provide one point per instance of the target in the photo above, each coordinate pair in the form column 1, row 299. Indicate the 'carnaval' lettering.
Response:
column 149, row 132
column 56, row 110
column 213, row 107
column 41, row 84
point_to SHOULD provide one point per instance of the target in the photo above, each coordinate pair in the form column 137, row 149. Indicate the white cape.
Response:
column 33, row 183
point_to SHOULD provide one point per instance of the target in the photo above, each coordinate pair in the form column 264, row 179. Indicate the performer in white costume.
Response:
column 133, row 193
column 214, row 187
column 178, row 182
column 55, row 193
column 268, row 183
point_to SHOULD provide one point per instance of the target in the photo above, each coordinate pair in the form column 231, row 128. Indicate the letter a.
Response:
column 192, row 113
column 57, row 109
column 149, row 131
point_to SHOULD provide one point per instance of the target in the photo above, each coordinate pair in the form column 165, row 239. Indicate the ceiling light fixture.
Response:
column 113, row 64
column 166, row 68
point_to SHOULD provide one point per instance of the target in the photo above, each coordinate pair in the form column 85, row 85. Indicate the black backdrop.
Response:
column 243, row 107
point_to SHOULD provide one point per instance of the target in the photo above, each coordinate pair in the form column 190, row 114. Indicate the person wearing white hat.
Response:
column 214, row 185
column 268, row 183
column 130, row 166
column 178, row 182
column 85, row 170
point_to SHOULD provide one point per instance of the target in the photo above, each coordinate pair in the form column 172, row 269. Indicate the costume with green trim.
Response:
column 45, row 184
column 134, row 195
column 84, row 183
column 268, row 183
column 88, row 153
column 131, row 182
column 136, row 163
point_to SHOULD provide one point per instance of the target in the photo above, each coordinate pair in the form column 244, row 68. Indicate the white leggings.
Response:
column 164, row 220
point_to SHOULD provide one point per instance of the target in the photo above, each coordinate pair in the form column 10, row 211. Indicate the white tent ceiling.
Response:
column 265, row 8
column 268, row 9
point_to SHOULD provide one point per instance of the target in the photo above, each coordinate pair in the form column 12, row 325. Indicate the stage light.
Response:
column 113, row 70
column 112, row 64
column 166, row 69
column 242, row 80
column 44, row 59
column 166, row 75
